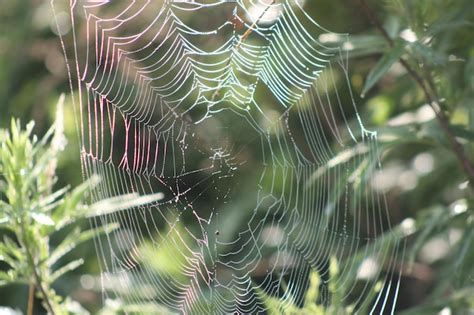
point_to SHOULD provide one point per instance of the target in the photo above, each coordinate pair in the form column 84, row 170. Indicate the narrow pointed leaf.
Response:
column 66, row 268
column 383, row 66
column 123, row 202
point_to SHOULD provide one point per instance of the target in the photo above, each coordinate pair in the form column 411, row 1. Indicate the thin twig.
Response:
column 36, row 275
column 250, row 30
column 241, row 40
column 431, row 96
column 31, row 298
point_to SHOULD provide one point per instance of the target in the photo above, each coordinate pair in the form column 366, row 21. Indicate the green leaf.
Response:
column 71, row 208
column 52, row 198
column 123, row 202
column 42, row 218
column 4, row 219
column 66, row 268
column 383, row 66
column 75, row 238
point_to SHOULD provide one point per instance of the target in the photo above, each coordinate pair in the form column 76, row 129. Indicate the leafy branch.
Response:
column 429, row 91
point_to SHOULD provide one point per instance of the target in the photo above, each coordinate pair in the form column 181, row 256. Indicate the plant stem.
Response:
column 36, row 274
column 430, row 93
column 31, row 298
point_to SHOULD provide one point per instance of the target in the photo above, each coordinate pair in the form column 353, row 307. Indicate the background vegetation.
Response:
column 417, row 76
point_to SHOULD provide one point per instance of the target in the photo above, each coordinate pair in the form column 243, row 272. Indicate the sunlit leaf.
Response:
column 70, row 266
column 42, row 218
column 120, row 203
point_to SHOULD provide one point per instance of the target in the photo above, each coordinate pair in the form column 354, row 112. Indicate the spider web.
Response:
column 231, row 110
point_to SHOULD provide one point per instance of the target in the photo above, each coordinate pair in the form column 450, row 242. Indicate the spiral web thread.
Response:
column 248, row 89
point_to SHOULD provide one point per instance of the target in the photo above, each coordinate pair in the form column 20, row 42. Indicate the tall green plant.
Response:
column 32, row 211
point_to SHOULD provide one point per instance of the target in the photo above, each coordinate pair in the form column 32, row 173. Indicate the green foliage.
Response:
column 439, row 207
column 32, row 212
column 312, row 304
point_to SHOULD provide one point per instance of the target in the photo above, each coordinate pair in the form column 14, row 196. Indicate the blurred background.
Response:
column 421, row 177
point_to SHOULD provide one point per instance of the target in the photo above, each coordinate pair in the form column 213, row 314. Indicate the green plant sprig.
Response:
column 32, row 211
